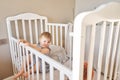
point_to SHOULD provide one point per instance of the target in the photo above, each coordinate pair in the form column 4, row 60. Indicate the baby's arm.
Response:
column 27, row 43
column 24, row 41
column 44, row 50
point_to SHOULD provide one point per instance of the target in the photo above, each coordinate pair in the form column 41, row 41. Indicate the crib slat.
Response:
column 117, row 67
column 41, row 25
column 19, row 56
column 61, row 37
column 37, row 68
column 32, row 66
column 13, row 55
column 49, row 30
column 24, row 58
column 30, row 29
column 17, row 30
column 24, row 30
column 53, row 33
column 101, row 47
column 83, row 38
column 36, row 31
column 61, row 76
column 46, row 26
column 66, row 37
column 114, row 51
column 43, row 70
column 108, row 50
column 51, row 72
column 16, row 58
column 28, row 66
column 57, row 36
column 91, row 51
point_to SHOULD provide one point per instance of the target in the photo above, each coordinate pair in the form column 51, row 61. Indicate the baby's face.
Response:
column 44, row 42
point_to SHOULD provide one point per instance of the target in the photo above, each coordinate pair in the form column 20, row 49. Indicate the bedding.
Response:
column 58, row 53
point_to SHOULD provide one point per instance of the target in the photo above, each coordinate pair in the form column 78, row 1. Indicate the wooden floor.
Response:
column 9, row 78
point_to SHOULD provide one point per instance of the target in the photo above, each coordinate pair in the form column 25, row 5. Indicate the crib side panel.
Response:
column 46, row 68
column 99, row 45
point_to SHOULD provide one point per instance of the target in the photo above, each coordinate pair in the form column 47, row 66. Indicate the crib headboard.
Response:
column 97, row 40
column 21, row 26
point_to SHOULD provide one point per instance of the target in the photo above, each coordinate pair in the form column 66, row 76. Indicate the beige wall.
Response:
column 56, row 11
column 87, row 5
column 5, row 62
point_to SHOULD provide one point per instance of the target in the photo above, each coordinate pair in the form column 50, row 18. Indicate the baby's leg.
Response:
column 18, row 74
column 26, row 73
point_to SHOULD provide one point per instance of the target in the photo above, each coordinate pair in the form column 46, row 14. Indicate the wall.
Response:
column 56, row 11
column 5, row 61
column 87, row 5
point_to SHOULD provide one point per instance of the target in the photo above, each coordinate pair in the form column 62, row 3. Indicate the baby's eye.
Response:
column 48, row 41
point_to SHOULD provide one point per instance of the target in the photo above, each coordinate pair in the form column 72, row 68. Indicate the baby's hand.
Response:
column 27, row 44
column 24, row 41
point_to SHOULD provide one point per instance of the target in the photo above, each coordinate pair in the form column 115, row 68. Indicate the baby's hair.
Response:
column 46, row 35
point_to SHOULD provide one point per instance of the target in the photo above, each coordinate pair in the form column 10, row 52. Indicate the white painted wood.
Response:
column 24, row 30
column 17, row 30
column 115, row 42
column 30, row 31
column 101, row 47
column 86, row 19
column 91, row 51
column 36, row 31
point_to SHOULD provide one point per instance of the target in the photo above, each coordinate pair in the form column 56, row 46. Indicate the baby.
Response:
column 42, row 46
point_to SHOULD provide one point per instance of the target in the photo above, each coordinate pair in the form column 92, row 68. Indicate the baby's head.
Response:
column 45, row 39
column 85, row 71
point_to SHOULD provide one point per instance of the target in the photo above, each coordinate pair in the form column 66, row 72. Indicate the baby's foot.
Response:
column 14, row 77
column 25, row 75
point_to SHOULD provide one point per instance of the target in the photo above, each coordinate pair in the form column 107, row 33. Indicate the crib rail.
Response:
column 21, row 55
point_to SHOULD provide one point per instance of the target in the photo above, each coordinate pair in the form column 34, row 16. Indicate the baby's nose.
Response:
column 46, row 43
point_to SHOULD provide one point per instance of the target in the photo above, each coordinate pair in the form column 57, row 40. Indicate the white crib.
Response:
column 28, row 26
column 96, row 39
